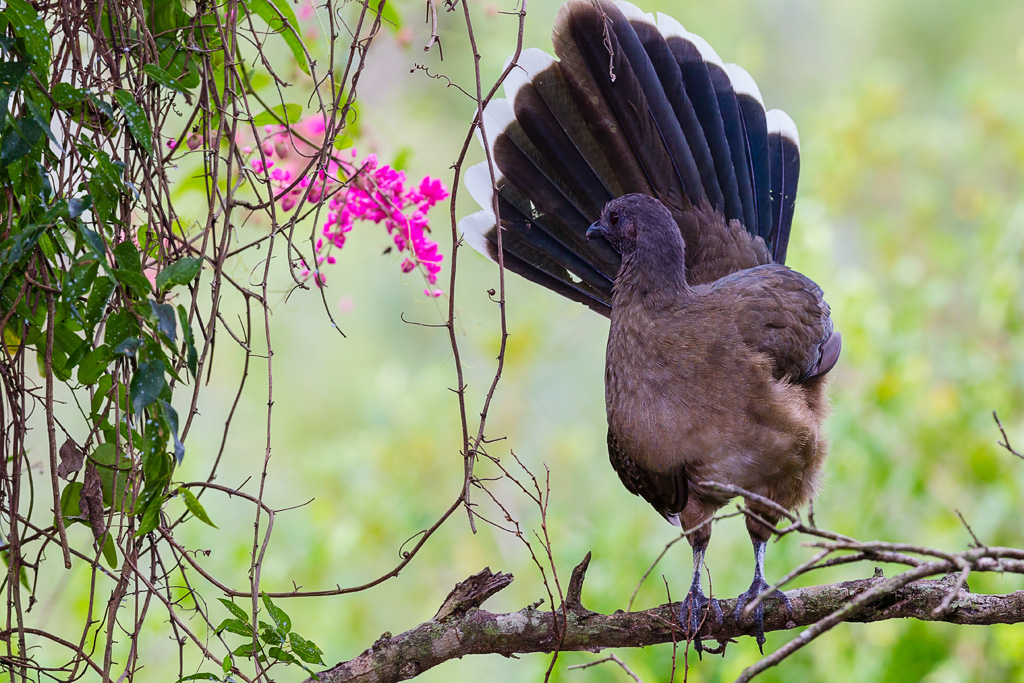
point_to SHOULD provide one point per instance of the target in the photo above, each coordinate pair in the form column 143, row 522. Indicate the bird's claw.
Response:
column 693, row 612
column 757, row 616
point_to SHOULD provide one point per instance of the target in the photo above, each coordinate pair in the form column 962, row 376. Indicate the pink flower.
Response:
column 353, row 190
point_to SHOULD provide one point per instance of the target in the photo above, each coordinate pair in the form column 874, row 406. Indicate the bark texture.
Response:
column 461, row 628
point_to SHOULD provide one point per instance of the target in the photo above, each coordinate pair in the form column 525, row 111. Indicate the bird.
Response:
column 638, row 174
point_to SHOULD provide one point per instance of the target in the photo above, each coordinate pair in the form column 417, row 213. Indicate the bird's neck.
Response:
column 653, row 275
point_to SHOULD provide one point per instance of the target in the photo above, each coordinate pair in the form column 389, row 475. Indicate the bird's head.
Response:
column 627, row 220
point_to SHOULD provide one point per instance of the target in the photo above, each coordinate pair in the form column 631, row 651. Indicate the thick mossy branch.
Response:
column 469, row 630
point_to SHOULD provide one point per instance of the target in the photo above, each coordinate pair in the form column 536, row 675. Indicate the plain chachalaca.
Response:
column 641, row 176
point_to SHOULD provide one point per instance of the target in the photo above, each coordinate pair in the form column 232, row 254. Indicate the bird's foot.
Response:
column 694, row 611
column 757, row 614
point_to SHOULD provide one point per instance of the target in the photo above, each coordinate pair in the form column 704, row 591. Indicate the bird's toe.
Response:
column 756, row 615
column 693, row 612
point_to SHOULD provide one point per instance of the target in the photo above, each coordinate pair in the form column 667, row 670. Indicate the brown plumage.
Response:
column 721, row 382
column 717, row 353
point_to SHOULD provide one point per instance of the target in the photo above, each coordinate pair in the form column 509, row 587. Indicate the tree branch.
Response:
column 470, row 630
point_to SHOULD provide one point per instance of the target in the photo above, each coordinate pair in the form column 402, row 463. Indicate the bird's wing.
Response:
column 667, row 491
column 782, row 314
column 633, row 103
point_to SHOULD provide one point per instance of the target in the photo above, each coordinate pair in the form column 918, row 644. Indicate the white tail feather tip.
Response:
column 670, row 28
column 473, row 228
column 531, row 62
column 634, row 13
column 779, row 122
column 742, row 82
column 478, row 182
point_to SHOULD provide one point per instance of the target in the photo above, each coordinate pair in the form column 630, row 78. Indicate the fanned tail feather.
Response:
column 632, row 104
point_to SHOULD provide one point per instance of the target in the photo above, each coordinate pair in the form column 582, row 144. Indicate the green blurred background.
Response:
column 910, row 215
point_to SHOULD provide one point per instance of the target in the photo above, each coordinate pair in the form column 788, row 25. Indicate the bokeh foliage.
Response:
column 910, row 215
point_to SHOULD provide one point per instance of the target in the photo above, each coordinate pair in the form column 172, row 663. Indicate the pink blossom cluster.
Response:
column 354, row 190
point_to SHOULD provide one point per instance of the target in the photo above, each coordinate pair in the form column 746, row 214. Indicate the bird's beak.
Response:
column 596, row 229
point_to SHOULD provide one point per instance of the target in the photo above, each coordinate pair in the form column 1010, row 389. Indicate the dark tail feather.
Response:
column 632, row 106
column 690, row 52
column 544, row 212
column 732, row 121
column 483, row 238
column 628, row 83
column 529, row 250
column 784, row 149
column 755, row 130
column 549, row 117
column 668, row 71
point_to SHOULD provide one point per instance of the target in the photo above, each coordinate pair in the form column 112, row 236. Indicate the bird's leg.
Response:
column 758, row 586
column 694, row 607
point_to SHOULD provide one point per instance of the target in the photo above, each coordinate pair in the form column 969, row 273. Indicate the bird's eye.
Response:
column 613, row 218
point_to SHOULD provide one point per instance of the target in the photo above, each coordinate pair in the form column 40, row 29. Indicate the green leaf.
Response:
column 21, row 245
column 128, row 347
column 239, row 627
column 276, row 14
column 18, row 140
column 196, row 508
column 149, row 240
column 281, row 656
column 105, row 185
column 164, row 16
column 31, row 29
column 156, row 463
column 165, row 319
column 147, row 382
column 389, row 17
column 93, row 240
column 113, row 475
column 149, row 516
column 269, row 634
column 100, row 394
column 134, row 281
column 283, row 621
column 401, row 160
column 199, row 677
column 186, row 331
column 172, row 423
column 80, row 279
column 109, row 550
column 128, row 256
column 93, row 365
column 282, row 113
column 226, row 666
column 243, row 650
column 102, row 288
column 180, row 272
column 69, row 498
column 76, row 284
column 234, row 609
column 11, row 75
column 136, row 119
column 42, row 121
column 164, row 78
column 120, row 326
column 76, row 207
column 305, row 649
column 65, row 95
